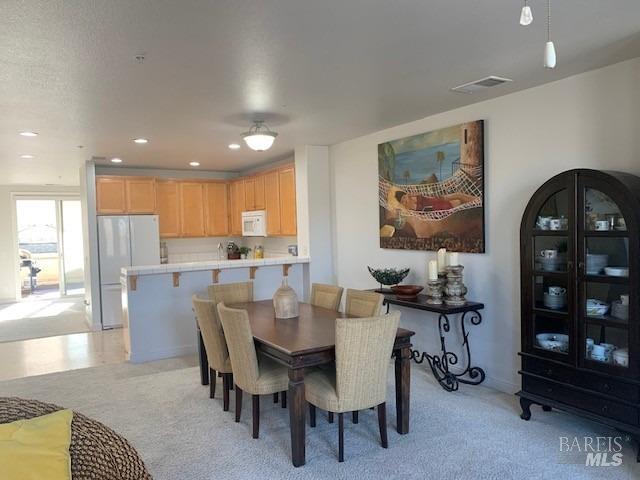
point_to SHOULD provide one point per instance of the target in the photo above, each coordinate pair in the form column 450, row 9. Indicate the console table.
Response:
column 450, row 381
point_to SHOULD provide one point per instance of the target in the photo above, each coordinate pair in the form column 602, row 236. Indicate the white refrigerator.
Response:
column 123, row 241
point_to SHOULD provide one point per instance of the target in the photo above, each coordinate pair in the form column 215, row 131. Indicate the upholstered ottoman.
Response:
column 97, row 452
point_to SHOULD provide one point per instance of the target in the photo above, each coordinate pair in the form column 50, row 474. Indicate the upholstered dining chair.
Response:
column 363, row 304
column 215, row 346
column 326, row 296
column 230, row 293
column 257, row 375
column 359, row 381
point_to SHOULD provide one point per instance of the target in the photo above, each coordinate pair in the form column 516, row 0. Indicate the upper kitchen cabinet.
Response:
column 272, row 201
column 168, row 201
column 216, row 209
column 192, row 209
column 141, row 194
column 287, row 181
column 236, row 206
column 254, row 196
column 111, row 195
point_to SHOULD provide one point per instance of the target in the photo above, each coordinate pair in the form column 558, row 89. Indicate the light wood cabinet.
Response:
column 140, row 194
column 287, row 189
column 192, row 209
column 216, row 209
column 168, row 201
column 111, row 195
column 272, row 202
column 254, row 196
column 236, row 206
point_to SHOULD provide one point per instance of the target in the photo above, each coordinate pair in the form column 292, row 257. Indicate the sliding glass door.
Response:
column 72, row 258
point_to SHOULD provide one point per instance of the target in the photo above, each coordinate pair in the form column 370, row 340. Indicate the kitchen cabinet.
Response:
column 168, row 202
column 254, row 196
column 216, row 209
column 140, row 195
column 236, row 206
column 287, row 190
column 192, row 209
column 110, row 195
column 272, row 202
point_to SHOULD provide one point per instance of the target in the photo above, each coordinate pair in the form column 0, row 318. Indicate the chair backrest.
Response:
column 230, row 293
column 326, row 296
column 363, row 350
column 242, row 350
column 363, row 304
column 212, row 334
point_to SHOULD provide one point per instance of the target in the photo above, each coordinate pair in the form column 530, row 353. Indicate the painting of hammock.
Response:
column 431, row 190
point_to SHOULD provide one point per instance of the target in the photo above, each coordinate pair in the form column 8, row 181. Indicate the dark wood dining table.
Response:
column 308, row 341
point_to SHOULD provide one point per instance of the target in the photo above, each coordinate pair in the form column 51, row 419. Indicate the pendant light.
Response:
column 526, row 17
column 549, row 48
column 259, row 137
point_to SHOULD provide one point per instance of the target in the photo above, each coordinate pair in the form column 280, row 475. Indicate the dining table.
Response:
column 306, row 341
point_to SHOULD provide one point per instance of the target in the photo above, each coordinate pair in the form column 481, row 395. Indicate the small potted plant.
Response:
column 244, row 252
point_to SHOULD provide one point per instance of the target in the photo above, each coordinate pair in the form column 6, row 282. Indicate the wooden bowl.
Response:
column 407, row 292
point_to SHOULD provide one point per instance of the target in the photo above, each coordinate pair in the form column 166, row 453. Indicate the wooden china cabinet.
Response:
column 580, row 267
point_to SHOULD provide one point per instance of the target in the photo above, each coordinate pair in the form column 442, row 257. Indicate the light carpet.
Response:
column 475, row 433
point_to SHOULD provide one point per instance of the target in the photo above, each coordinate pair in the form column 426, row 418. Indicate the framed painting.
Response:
column 431, row 190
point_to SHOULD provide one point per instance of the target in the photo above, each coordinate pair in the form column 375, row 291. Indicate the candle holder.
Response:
column 455, row 289
column 435, row 292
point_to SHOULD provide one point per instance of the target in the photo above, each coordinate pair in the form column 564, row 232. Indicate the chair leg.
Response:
column 212, row 383
column 312, row 415
column 284, row 399
column 340, row 437
column 354, row 416
column 330, row 417
column 382, row 423
column 231, row 381
column 256, row 415
column 275, row 397
column 225, row 391
column 238, row 403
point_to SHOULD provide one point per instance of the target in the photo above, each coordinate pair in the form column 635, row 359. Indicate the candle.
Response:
column 442, row 260
column 453, row 259
column 433, row 270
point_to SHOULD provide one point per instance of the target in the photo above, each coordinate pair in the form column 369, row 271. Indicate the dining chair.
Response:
column 230, row 293
column 215, row 346
column 326, row 296
column 363, row 304
column 257, row 375
column 359, row 380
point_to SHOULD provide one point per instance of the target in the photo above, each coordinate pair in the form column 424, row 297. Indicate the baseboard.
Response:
column 151, row 355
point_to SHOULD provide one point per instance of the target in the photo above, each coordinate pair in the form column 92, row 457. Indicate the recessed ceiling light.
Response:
column 116, row 160
column 234, row 146
column 141, row 141
column 29, row 134
column 26, row 156
column 194, row 164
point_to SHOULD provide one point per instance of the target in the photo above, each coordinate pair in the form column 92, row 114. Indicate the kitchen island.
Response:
column 158, row 321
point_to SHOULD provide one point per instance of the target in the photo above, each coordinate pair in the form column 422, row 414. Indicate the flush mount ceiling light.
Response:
column 29, row 134
column 259, row 137
column 234, row 146
column 194, row 164
column 549, row 48
column 140, row 141
column 116, row 160
column 26, row 156
column 526, row 17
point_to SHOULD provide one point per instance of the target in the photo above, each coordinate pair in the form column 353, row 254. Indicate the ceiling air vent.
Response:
column 481, row 84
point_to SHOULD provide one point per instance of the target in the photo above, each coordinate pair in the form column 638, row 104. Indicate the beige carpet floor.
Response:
column 475, row 433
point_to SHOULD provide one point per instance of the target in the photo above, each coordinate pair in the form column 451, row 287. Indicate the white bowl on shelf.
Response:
column 621, row 357
column 557, row 342
column 619, row 310
column 616, row 271
column 555, row 302
column 596, row 263
column 596, row 308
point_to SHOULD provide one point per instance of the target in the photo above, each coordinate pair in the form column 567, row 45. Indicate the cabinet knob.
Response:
column 549, row 371
column 605, row 409
column 606, row 387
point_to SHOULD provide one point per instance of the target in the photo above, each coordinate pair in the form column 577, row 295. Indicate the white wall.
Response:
column 590, row 120
column 8, row 245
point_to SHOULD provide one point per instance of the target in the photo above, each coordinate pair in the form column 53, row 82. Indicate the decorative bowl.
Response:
column 558, row 342
column 389, row 276
column 596, row 308
column 617, row 271
column 555, row 302
column 407, row 292
column 596, row 263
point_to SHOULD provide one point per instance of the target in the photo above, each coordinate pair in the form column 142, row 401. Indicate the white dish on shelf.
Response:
column 557, row 342
column 619, row 310
column 616, row 271
column 555, row 302
column 596, row 308
column 596, row 263
column 621, row 357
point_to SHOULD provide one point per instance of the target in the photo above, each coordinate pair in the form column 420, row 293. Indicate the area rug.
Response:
column 475, row 433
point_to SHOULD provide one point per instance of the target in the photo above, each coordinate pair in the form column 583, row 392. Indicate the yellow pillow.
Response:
column 37, row 448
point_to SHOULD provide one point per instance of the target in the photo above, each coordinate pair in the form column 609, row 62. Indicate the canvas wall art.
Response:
column 431, row 190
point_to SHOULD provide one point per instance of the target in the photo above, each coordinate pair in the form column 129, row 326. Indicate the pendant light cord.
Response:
column 548, row 20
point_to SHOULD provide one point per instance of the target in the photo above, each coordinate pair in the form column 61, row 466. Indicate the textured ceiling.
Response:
column 318, row 71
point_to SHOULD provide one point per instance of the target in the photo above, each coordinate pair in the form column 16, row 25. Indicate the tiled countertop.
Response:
column 210, row 265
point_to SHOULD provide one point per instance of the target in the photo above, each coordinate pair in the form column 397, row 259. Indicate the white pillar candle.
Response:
column 433, row 270
column 453, row 259
column 442, row 260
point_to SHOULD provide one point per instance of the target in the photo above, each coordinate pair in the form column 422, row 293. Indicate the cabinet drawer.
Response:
column 578, row 378
column 579, row 399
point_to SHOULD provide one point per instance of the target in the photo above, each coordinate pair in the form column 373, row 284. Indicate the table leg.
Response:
column 403, row 384
column 203, row 360
column 297, row 404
